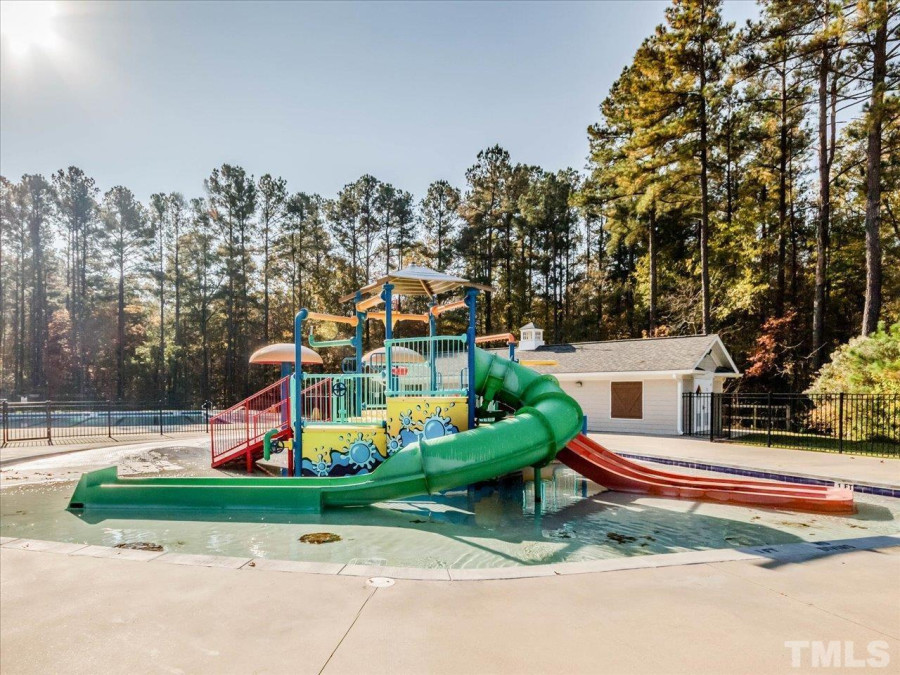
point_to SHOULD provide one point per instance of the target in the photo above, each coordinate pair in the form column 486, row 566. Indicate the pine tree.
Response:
column 273, row 196
column 232, row 197
column 874, row 20
column 203, row 280
column 76, row 215
column 482, row 211
column 126, row 226
column 440, row 220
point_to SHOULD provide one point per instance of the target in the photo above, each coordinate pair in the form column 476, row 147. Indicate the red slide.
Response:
column 608, row 469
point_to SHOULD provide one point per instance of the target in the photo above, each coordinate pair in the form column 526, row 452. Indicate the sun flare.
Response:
column 26, row 24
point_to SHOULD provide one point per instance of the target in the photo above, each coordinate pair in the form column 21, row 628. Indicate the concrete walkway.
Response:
column 65, row 613
column 879, row 471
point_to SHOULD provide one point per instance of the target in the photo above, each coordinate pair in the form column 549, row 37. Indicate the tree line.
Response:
column 749, row 178
column 724, row 192
column 103, row 296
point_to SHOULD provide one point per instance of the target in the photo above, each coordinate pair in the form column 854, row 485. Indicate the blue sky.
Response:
column 154, row 95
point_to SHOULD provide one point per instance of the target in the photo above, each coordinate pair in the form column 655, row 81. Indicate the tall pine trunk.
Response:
column 161, row 363
column 822, row 224
column 704, row 193
column 782, row 196
column 872, row 308
column 266, row 282
column 120, row 332
column 179, row 354
column 652, row 253
column 19, row 335
column 229, row 318
column 38, row 310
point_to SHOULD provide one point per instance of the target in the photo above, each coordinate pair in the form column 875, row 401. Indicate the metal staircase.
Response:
column 237, row 433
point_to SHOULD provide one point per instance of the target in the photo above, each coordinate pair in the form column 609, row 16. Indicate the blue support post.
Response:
column 388, row 334
column 388, row 310
column 296, row 417
column 360, row 322
column 358, row 345
column 512, row 351
column 432, row 320
column 432, row 331
column 471, row 294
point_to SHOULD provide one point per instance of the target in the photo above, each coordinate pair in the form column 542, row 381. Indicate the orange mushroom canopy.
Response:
column 283, row 352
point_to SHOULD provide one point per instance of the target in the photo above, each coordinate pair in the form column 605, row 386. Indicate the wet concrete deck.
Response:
column 70, row 608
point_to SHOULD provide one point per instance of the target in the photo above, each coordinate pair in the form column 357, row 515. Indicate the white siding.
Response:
column 660, row 406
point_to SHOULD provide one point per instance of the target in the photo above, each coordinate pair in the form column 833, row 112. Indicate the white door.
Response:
column 703, row 384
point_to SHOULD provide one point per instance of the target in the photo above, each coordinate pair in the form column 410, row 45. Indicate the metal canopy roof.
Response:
column 418, row 280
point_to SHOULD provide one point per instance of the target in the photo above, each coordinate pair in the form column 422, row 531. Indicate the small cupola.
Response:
column 530, row 337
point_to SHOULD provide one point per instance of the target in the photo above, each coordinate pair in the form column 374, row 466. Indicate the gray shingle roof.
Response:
column 622, row 356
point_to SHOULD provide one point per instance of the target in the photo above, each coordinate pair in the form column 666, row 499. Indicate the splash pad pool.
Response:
column 494, row 524
column 392, row 436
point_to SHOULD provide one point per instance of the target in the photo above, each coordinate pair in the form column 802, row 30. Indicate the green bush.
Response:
column 865, row 365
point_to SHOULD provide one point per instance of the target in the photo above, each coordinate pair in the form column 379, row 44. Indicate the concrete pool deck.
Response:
column 76, row 608
column 18, row 452
column 846, row 468
column 83, row 614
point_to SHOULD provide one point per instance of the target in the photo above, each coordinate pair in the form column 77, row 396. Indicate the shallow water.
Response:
column 491, row 525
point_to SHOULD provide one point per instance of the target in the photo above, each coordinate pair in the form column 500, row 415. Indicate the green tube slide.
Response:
column 546, row 420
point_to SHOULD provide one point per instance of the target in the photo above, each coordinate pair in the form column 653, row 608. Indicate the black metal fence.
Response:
column 854, row 423
column 83, row 421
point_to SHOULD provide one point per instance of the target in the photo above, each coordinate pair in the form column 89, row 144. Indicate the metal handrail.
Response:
column 346, row 342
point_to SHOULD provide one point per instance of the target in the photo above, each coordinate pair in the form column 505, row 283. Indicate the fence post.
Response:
column 206, row 406
column 769, row 420
column 690, row 423
column 712, row 415
column 5, row 422
column 729, row 420
column 109, row 418
column 160, row 417
column 49, row 424
column 841, row 422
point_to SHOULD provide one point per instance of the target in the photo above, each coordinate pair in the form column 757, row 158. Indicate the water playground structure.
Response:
column 417, row 416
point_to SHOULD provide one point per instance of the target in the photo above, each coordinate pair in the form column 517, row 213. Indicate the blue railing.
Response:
column 342, row 399
column 424, row 366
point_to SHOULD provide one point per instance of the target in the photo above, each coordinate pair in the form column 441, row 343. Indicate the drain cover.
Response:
column 380, row 582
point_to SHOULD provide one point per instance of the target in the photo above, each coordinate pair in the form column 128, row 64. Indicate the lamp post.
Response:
column 358, row 345
column 388, row 333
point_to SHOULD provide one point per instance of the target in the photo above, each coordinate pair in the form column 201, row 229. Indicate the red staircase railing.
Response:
column 235, row 431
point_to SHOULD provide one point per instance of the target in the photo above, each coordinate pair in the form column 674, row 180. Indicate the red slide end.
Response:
column 608, row 469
